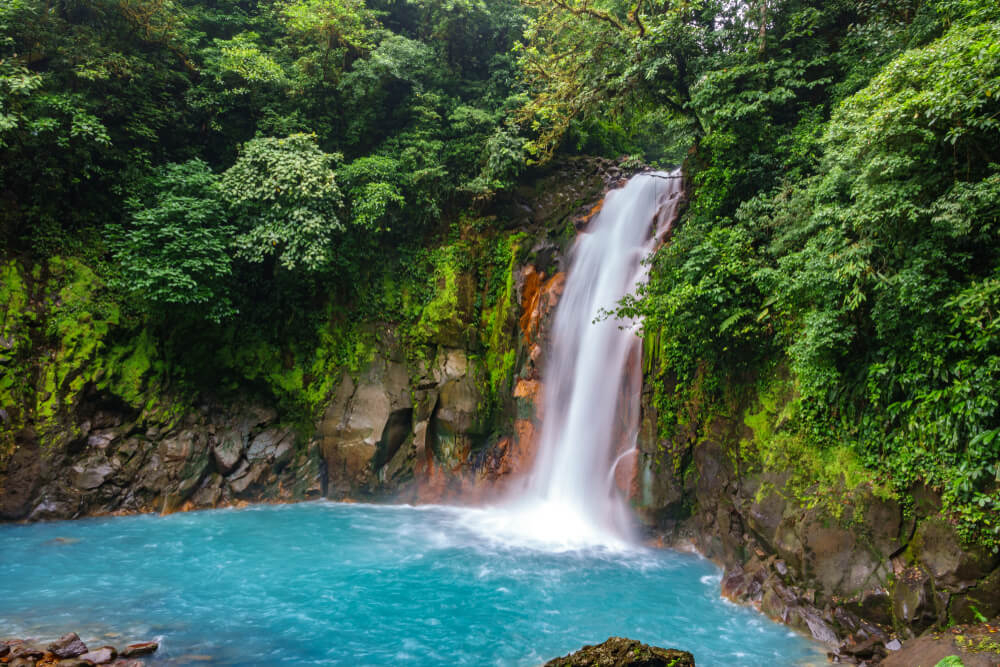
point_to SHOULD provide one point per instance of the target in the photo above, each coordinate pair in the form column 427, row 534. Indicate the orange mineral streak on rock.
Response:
column 529, row 297
column 583, row 222
column 531, row 391
column 432, row 483
column 537, row 300
column 524, row 446
column 527, row 389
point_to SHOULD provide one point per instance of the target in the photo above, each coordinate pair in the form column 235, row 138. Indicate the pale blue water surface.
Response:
column 327, row 583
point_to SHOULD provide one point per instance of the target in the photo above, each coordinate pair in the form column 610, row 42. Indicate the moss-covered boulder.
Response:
column 621, row 652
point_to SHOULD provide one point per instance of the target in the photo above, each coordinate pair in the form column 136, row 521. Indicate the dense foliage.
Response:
column 843, row 228
column 121, row 113
column 238, row 170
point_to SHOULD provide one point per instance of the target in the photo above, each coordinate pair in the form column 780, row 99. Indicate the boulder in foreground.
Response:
column 621, row 652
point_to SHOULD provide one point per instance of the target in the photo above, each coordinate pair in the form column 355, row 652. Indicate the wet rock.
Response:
column 836, row 559
column 354, row 425
column 398, row 428
column 864, row 650
column 975, row 647
column 765, row 515
column 264, row 444
column 25, row 649
column 227, row 450
column 621, row 652
column 101, row 439
column 100, row 656
column 913, row 601
column 246, row 476
column 937, row 546
column 91, row 473
column 74, row 662
column 457, row 420
column 54, row 508
column 142, row 648
column 882, row 521
column 20, row 479
column 209, row 493
column 981, row 600
column 68, row 646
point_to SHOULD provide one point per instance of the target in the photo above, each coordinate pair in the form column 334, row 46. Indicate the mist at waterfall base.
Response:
column 331, row 583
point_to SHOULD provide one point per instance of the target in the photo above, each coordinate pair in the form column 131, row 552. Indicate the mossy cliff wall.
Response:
column 431, row 397
column 805, row 536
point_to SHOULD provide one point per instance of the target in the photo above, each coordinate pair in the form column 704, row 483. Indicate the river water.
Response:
column 327, row 583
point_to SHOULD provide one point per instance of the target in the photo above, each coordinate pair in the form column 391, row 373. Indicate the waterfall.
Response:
column 592, row 378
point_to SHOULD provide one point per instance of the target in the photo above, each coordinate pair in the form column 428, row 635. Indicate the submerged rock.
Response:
column 101, row 655
column 142, row 648
column 621, row 652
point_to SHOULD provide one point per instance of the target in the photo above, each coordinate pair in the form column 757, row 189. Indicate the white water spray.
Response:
column 589, row 424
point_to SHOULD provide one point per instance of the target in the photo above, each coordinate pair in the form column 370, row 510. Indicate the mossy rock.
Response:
column 621, row 652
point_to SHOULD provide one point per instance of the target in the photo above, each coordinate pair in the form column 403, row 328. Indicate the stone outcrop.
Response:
column 70, row 651
column 68, row 646
column 122, row 461
column 450, row 410
column 859, row 581
column 621, row 652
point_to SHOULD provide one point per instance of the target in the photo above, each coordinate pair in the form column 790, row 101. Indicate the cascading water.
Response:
column 588, row 426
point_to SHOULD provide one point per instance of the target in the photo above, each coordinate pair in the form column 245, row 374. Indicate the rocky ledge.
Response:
column 621, row 652
column 973, row 645
column 70, row 651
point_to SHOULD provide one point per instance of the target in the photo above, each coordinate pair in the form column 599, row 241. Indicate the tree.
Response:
column 283, row 198
column 584, row 59
column 176, row 250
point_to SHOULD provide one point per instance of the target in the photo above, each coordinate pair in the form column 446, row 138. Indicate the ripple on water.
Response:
column 322, row 583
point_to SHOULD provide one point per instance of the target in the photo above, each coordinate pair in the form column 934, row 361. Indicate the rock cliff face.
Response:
column 854, row 579
column 447, row 411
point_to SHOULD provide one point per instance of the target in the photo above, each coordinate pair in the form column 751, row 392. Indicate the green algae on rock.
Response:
column 621, row 652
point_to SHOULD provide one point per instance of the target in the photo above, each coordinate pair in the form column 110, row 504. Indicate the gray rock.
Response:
column 53, row 508
column 273, row 444
column 209, row 493
column 25, row 650
column 246, row 475
column 227, row 450
column 262, row 446
column 101, row 439
column 819, row 628
column 100, row 656
column 92, row 473
column 142, row 648
column 68, row 646
column 938, row 548
column 894, row 645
